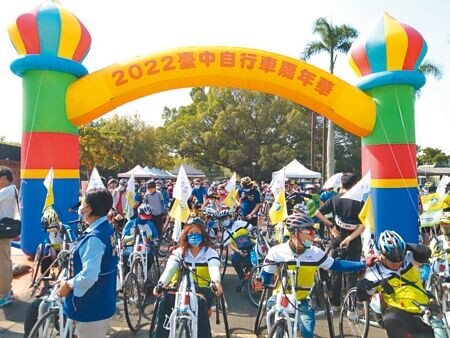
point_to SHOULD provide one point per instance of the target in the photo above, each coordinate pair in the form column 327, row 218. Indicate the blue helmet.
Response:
column 392, row 246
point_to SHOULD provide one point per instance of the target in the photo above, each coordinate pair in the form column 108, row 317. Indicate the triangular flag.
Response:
column 231, row 185
column 180, row 211
column 182, row 189
column 366, row 215
column 278, row 211
column 129, row 196
column 230, row 200
column 360, row 191
column 95, row 181
column 48, row 183
column 278, row 181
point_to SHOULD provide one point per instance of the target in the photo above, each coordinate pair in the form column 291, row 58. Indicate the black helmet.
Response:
column 246, row 182
column 299, row 221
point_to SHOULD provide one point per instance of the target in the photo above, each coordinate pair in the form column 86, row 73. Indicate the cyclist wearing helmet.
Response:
column 194, row 249
column 304, row 258
column 249, row 200
column 396, row 277
column 141, row 223
column 209, row 216
column 346, row 229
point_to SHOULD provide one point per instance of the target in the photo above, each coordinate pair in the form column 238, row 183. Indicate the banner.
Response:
column 278, row 211
column 230, row 201
column 181, row 193
column 129, row 196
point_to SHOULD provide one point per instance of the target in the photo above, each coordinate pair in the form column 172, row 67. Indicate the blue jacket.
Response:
column 99, row 302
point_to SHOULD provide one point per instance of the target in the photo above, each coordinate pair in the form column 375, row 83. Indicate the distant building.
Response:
column 432, row 174
column 10, row 157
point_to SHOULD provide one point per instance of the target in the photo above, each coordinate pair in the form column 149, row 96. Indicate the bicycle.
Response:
column 51, row 319
column 183, row 320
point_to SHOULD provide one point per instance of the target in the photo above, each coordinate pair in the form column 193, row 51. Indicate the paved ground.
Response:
column 241, row 314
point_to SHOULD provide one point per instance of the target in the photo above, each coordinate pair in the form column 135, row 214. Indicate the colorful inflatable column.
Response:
column 53, row 43
column 387, row 60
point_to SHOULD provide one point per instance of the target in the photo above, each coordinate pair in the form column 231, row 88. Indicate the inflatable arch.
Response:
column 60, row 95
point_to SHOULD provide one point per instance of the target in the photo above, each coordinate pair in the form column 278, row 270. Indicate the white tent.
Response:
column 297, row 170
column 138, row 171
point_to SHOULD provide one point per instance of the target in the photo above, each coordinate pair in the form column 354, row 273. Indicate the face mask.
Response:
column 122, row 188
column 194, row 239
column 226, row 222
column 307, row 243
column 197, row 186
column 247, row 190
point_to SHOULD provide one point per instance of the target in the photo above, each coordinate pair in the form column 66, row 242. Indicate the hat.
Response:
column 151, row 184
column 112, row 180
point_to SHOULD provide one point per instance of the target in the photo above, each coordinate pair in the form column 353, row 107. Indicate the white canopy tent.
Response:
column 138, row 171
column 297, row 170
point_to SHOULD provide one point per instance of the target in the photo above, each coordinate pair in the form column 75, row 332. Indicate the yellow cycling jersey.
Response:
column 198, row 264
column 406, row 283
column 305, row 266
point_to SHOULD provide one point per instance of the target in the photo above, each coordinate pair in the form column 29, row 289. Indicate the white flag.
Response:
column 130, row 197
column 278, row 181
column 182, row 189
column 231, row 183
column 360, row 190
column 333, row 182
column 442, row 185
column 95, row 182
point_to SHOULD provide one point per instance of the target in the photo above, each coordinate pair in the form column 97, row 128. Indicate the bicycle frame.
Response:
column 140, row 251
column 285, row 306
column 186, row 304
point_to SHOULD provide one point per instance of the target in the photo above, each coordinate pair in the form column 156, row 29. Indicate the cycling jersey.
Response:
column 229, row 233
column 305, row 265
column 205, row 265
column 406, row 284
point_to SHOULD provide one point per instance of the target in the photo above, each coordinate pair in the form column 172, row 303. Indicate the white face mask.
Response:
column 122, row 188
column 196, row 186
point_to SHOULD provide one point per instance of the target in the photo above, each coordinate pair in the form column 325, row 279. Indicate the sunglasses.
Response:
column 310, row 232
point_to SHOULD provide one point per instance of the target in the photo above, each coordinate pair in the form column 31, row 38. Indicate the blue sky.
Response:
column 123, row 29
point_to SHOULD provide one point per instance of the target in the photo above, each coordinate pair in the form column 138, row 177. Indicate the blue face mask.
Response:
column 307, row 243
column 194, row 239
column 226, row 223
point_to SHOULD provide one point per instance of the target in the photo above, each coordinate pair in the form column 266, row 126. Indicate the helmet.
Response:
column 123, row 181
column 392, row 246
column 197, row 221
column 145, row 208
column 49, row 218
column 299, row 221
column 210, row 212
column 223, row 213
column 300, row 208
column 246, row 182
column 310, row 187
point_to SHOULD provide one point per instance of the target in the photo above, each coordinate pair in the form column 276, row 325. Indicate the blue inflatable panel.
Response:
column 396, row 209
column 33, row 193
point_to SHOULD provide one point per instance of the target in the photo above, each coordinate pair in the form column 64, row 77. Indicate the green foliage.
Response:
column 432, row 156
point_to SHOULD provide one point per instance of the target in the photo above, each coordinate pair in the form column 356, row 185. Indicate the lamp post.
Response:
column 253, row 169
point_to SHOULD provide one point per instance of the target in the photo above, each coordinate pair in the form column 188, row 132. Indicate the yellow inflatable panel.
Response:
column 98, row 93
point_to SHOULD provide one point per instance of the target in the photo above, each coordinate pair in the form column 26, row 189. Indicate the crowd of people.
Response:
column 315, row 218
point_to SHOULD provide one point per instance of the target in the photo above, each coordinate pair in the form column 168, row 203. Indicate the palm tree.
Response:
column 432, row 69
column 333, row 40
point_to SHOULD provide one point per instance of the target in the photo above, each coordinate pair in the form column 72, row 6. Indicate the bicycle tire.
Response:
column 154, row 317
column 252, row 295
column 31, row 316
column 356, row 327
column 279, row 329
column 166, row 238
column 436, row 288
column 328, row 311
column 35, row 267
column 34, row 333
column 260, row 312
column 223, row 260
column 138, row 269
column 225, row 316
column 155, row 271
column 132, row 300
column 182, row 330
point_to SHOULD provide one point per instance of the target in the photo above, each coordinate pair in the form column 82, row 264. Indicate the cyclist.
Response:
column 141, row 223
column 396, row 277
column 194, row 249
column 209, row 217
column 52, row 226
column 305, row 258
column 442, row 242
column 249, row 200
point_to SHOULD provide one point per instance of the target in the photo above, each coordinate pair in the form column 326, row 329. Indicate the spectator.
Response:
column 156, row 201
column 119, row 197
column 249, row 201
column 8, row 207
column 199, row 193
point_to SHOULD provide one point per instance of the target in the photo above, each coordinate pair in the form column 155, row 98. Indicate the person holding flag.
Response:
column 345, row 229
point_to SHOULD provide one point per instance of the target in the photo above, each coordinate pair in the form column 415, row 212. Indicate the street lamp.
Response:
column 253, row 169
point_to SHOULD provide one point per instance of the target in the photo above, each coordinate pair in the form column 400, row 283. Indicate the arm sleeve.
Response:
column 171, row 267
column 342, row 265
column 421, row 253
column 91, row 258
column 214, row 269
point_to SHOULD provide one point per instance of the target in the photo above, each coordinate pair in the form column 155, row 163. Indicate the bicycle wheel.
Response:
column 279, row 329
column 47, row 326
column 261, row 311
column 323, row 294
column 354, row 317
column 436, row 287
column 132, row 301
column 138, row 269
column 254, row 295
column 223, row 307
column 165, row 240
column 36, row 267
column 154, row 273
column 183, row 330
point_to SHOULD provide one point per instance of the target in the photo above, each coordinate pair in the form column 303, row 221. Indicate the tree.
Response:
column 333, row 40
column 232, row 128
column 432, row 156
